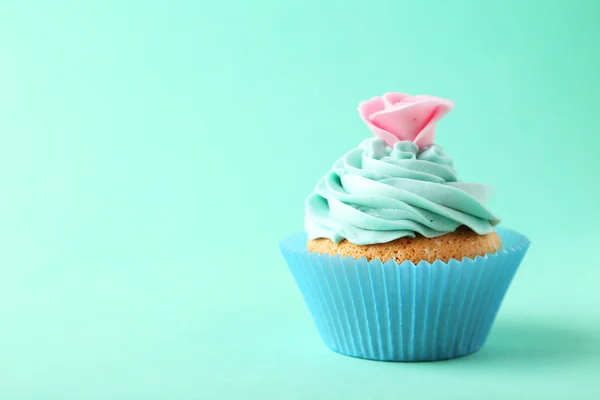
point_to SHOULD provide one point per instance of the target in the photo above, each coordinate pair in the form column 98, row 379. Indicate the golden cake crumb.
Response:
column 461, row 243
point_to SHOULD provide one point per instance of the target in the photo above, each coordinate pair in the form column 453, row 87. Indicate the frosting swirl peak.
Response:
column 376, row 194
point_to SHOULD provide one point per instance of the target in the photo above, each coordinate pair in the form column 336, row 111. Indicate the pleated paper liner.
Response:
column 404, row 312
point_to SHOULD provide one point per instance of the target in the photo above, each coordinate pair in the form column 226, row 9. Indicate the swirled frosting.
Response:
column 376, row 194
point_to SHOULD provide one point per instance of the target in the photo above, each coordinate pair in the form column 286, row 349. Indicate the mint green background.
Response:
column 153, row 154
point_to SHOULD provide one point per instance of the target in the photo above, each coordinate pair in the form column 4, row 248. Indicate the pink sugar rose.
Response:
column 398, row 116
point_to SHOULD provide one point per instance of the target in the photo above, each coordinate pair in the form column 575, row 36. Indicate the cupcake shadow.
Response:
column 530, row 342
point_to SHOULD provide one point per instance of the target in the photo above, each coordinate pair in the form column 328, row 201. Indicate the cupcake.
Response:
column 401, row 260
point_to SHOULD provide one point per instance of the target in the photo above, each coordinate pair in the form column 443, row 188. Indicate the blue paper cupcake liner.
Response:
column 404, row 312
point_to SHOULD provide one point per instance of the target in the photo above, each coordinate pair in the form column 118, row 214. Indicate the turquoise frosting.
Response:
column 376, row 194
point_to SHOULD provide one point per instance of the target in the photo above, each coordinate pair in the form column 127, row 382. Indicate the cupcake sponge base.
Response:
column 459, row 244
